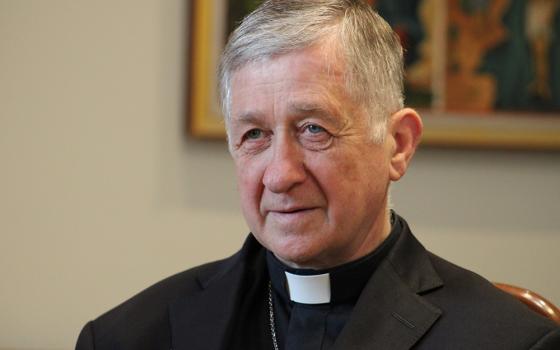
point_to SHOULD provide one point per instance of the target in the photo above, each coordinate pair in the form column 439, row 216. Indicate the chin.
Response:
column 299, row 255
column 295, row 249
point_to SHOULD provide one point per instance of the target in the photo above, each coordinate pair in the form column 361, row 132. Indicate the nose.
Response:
column 286, row 167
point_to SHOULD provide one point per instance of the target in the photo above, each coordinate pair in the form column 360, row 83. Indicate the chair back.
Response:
column 533, row 300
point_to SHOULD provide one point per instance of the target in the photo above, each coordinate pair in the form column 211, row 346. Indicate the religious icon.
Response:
column 482, row 72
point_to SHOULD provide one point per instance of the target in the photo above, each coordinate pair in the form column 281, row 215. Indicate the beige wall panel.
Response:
column 101, row 195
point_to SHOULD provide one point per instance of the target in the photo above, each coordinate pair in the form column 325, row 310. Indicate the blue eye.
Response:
column 253, row 134
column 315, row 137
column 314, row 129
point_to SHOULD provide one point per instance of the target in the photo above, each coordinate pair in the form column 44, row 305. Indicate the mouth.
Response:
column 291, row 217
column 291, row 211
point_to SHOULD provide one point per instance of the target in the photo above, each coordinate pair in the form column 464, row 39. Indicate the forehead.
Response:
column 302, row 80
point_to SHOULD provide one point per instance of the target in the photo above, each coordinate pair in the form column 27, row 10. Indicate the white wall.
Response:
column 101, row 194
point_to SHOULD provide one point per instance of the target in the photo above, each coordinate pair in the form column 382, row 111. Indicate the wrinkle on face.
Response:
column 312, row 182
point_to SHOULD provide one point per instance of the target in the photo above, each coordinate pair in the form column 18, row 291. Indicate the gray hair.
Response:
column 371, row 50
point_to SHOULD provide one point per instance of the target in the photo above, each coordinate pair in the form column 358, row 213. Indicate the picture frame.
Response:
column 444, row 127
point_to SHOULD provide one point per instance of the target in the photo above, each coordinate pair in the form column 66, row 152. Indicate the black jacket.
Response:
column 414, row 300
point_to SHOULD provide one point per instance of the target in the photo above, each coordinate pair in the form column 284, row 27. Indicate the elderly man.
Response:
column 312, row 96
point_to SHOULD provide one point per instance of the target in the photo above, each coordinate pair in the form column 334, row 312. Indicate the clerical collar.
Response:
column 340, row 284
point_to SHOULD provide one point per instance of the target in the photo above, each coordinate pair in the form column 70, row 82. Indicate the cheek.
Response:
column 249, row 186
column 355, row 179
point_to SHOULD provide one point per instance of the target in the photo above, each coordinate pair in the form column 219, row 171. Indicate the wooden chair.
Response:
column 533, row 300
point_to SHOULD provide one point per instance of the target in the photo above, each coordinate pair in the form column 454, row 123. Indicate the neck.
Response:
column 338, row 284
column 378, row 232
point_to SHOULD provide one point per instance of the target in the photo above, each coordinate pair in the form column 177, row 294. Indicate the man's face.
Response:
column 313, row 184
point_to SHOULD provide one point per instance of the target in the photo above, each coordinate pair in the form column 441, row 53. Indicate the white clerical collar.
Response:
column 310, row 289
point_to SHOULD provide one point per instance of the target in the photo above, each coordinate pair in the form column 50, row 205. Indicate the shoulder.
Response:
column 154, row 299
column 147, row 313
column 474, row 311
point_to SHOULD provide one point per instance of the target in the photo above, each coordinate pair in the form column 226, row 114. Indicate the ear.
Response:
column 405, row 129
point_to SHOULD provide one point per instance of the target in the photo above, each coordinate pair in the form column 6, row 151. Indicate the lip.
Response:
column 294, row 210
column 290, row 216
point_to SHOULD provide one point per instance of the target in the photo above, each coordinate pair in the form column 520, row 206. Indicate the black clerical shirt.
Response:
column 304, row 326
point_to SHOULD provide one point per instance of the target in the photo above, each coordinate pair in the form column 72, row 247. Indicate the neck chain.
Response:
column 271, row 317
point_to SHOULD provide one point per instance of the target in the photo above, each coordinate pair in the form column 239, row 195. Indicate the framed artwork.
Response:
column 480, row 72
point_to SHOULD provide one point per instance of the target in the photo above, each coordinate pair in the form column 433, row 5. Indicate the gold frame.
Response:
column 204, row 119
column 442, row 128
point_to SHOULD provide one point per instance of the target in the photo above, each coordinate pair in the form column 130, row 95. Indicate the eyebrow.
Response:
column 247, row 117
column 330, row 114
